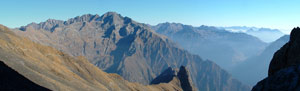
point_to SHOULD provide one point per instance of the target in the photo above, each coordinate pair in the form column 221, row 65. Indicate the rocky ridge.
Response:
column 181, row 74
column 118, row 44
column 58, row 71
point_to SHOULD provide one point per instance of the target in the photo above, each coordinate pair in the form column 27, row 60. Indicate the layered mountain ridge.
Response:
column 117, row 44
column 256, row 68
column 58, row 71
column 223, row 47
column 261, row 33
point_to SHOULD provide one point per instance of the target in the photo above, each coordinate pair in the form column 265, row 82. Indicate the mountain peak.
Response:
column 112, row 18
column 295, row 34
column 111, row 14
column 96, row 17
column 51, row 24
column 83, row 18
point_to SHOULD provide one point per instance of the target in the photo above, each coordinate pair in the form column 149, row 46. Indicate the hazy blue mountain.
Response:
column 256, row 68
column 223, row 47
column 120, row 45
column 265, row 34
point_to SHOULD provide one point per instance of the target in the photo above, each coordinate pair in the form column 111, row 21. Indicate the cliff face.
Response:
column 118, row 44
column 288, row 55
column 286, row 79
column 284, row 67
column 183, row 76
column 58, row 71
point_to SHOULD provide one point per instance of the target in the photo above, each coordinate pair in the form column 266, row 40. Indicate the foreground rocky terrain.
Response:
column 284, row 68
column 47, row 67
column 118, row 44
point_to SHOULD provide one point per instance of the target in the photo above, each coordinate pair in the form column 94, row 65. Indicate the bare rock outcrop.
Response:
column 182, row 74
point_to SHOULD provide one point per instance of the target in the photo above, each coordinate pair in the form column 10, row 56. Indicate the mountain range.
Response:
column 223, row 47
column 256, row 68
column 261, row 33
column 26, row 65
column 118, row 44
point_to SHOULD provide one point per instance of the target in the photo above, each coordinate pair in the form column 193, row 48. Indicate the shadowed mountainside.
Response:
column 55, row 70
column 117, row 44
column 181, row 74
column 284, row 68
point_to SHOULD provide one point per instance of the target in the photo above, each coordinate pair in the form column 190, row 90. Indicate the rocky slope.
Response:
column 223, row 47
column 117, row 44
column 284, row 67
column 57, row 71
column 255, row 68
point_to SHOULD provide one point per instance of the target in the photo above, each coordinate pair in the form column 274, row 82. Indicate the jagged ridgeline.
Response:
column 26, row 65
column 118, row 44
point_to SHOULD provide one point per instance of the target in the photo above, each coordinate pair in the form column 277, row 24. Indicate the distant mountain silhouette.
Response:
column 223, row 47
column 261, row 33
column 118, row 44
column 255, row 68
column 283, row 74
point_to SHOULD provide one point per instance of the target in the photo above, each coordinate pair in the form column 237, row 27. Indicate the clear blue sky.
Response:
column 280, row 14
